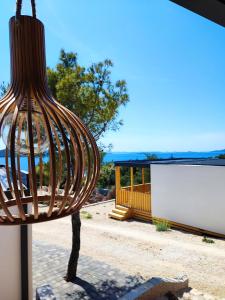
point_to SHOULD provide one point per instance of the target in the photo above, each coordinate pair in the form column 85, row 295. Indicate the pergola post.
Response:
column 143, row 178
column 131, row 183
column 132, row 178
column 117, row 182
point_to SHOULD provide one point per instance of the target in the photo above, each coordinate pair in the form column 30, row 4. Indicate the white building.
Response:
column 189, row 193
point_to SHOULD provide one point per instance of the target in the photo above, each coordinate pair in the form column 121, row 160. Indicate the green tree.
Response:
column 89, row 92
column 151, row 156
column 3, row 89
column 107, row 176
column 221, row 156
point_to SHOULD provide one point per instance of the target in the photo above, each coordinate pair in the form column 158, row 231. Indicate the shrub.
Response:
column 221, row 156
column 107, row 176
column 207, row 240
column 161, row 225
column 85, row 215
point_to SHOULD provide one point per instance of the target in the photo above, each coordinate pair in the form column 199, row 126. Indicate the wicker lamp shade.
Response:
column 61, row 153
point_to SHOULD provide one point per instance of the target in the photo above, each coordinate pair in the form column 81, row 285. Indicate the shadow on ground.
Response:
column 104, row 289
column 97, row 280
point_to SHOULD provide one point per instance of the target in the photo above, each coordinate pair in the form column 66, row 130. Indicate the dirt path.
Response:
column 137, row 248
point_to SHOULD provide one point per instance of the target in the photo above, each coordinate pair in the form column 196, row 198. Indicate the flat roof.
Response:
column 177, row 161
column 4, row 181
column 214, row 10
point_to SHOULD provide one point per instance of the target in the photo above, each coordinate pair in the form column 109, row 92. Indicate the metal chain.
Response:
column 19, row 8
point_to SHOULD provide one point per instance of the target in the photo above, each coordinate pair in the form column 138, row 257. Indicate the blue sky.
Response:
column 172, row 59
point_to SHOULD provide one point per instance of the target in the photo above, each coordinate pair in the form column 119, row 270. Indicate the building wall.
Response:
column 191, row 195
column 10, row 278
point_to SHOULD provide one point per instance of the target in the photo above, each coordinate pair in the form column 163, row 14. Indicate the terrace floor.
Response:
column 97, row 280
column 121, row 255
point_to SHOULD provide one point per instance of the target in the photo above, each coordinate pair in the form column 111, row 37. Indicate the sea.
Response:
column 120, row 156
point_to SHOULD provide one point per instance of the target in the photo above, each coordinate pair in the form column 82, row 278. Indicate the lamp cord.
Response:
column 19, row 8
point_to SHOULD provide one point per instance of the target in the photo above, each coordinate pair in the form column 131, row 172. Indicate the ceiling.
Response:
column 213, row 10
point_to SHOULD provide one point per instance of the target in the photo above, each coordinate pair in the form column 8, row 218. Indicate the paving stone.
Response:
column 96, row 281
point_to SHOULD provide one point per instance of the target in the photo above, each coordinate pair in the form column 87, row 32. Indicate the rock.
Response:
column 158, row 287
column 45, row 292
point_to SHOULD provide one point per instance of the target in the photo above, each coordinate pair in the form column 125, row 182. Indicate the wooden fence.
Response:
column 136, row 199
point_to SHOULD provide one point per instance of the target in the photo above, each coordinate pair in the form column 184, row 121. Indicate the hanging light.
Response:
column 36, row 127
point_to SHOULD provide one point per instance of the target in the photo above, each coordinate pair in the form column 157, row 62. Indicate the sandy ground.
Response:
column 137, row 248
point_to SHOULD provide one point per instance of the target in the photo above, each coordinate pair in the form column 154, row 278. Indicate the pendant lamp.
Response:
column 61, row 153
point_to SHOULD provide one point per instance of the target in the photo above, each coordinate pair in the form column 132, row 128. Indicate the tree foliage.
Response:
column 221, row 156
column 151, row 156
column 107, row 176
column 3, row 89
column 89, row 92
column 92, row 95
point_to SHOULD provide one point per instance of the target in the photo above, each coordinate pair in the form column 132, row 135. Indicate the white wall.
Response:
column 191, row 195
column 10, row 279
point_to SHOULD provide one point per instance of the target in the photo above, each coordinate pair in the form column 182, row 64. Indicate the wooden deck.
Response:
column 135, row 198
column 137, row 201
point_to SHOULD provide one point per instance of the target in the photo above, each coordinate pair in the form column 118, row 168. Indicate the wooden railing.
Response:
column 142, row 188
column 135, row 199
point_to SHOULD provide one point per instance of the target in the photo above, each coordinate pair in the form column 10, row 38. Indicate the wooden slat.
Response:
column 37, row 124
column 21, row 120
column 13, row 163
column 52, row 159
column 132, row 178
column 67, row 152
column 32, row 157
column 143, row 179
column 118, row 194
column 8, row 171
